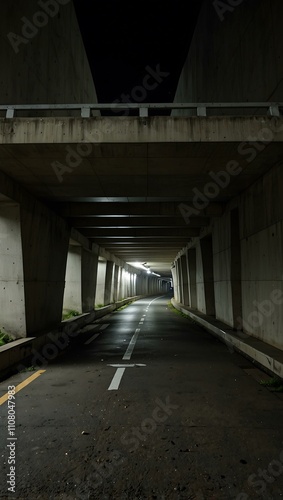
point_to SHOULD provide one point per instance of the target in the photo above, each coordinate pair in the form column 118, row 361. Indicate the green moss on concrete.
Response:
column 274, row 383
column 70, row 314
column 5, row 338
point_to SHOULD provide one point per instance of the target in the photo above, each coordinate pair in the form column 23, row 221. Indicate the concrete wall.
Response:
column 60, row 73
column 248, row 41
column 261, row 231
column 247, row 244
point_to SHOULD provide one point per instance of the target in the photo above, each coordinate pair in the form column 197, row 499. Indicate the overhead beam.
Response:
column 107, row 242
column 163, row 209
column 136, row 222
column 186, row 232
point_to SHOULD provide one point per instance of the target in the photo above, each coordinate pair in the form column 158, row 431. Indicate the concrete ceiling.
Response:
column 125, row 197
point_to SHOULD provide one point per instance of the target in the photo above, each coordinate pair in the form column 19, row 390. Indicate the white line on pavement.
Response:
column 92, row 338
column 88, row 328
column 103, row 327
column 116, row 379
column 131, row 345
column 127, row 366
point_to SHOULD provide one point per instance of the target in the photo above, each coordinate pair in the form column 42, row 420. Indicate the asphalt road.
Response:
column 185, row 419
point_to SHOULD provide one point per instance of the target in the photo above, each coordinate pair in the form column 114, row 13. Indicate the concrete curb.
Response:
column 48, row 346
column 267, row 357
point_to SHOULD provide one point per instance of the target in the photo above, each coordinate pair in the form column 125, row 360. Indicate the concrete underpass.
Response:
column 141, row 276
column 87, row 432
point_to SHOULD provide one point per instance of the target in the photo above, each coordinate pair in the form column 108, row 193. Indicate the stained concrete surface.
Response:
column 78, row 440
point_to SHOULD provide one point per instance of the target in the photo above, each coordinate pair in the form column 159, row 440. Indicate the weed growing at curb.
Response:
column 5, row 338
column 275, row 384
column 29, row 369
column 124, row 307
column 70, row 314
column 180, row 313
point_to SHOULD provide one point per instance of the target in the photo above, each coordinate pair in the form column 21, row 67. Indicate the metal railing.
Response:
column 271, row 108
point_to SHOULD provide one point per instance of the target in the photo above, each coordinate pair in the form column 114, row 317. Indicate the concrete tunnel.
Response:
column 97, row 209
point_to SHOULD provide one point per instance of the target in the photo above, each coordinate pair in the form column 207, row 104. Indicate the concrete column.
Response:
column 185, row 280
column 12, row 297
column 116, row 283
column 139, row 284
column 129, row 284
column 108, row 282
column 208, row 274
column 134, row 291
column 89, row 276
column 192, row 273
column 123, row 283
column 45, row 243
column 81, row 274
column 175, row 277
column 73, row 285
column 120, row 284
column 100, row 282
column 236, row 286
column 131, row 287
column 146, row 284
column 179, row 282
column 179, row 267
column 142, row 284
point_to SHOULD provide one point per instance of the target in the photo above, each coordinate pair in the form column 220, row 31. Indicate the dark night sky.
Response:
column 122, row 38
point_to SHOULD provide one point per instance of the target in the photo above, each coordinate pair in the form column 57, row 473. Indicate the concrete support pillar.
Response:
column 123, row 284
column 120, row 284
column 236, row 265
column 108, row 282
column 116, row 283
column 178, row 279
column 81, row 276
column 12, row 296
column 131, row 283
column 139, row 284
column 73, row 286
column 142, row 284
column 208, row 274
column 100, row 282
column 185, row 280
column 146, row 284
column 89, row 276
column 134, row 289
column 45, row 243
column 150, row 285
column 175, row 277
column 192, row 273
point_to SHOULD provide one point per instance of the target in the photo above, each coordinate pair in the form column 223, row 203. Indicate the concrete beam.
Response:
column 157, row 129
column 137, row 222
column 104, row 242
column 185, row 232
column 159, row 209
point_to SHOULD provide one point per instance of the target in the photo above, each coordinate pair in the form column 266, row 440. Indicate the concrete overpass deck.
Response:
column 135, row 185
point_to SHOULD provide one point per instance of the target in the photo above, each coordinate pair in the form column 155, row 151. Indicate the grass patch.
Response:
column 5, row 338
column 70, row 314
column 176, row 311
column 28, row 369
column 124, row 306
column 274, row 383
column 98, row 306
